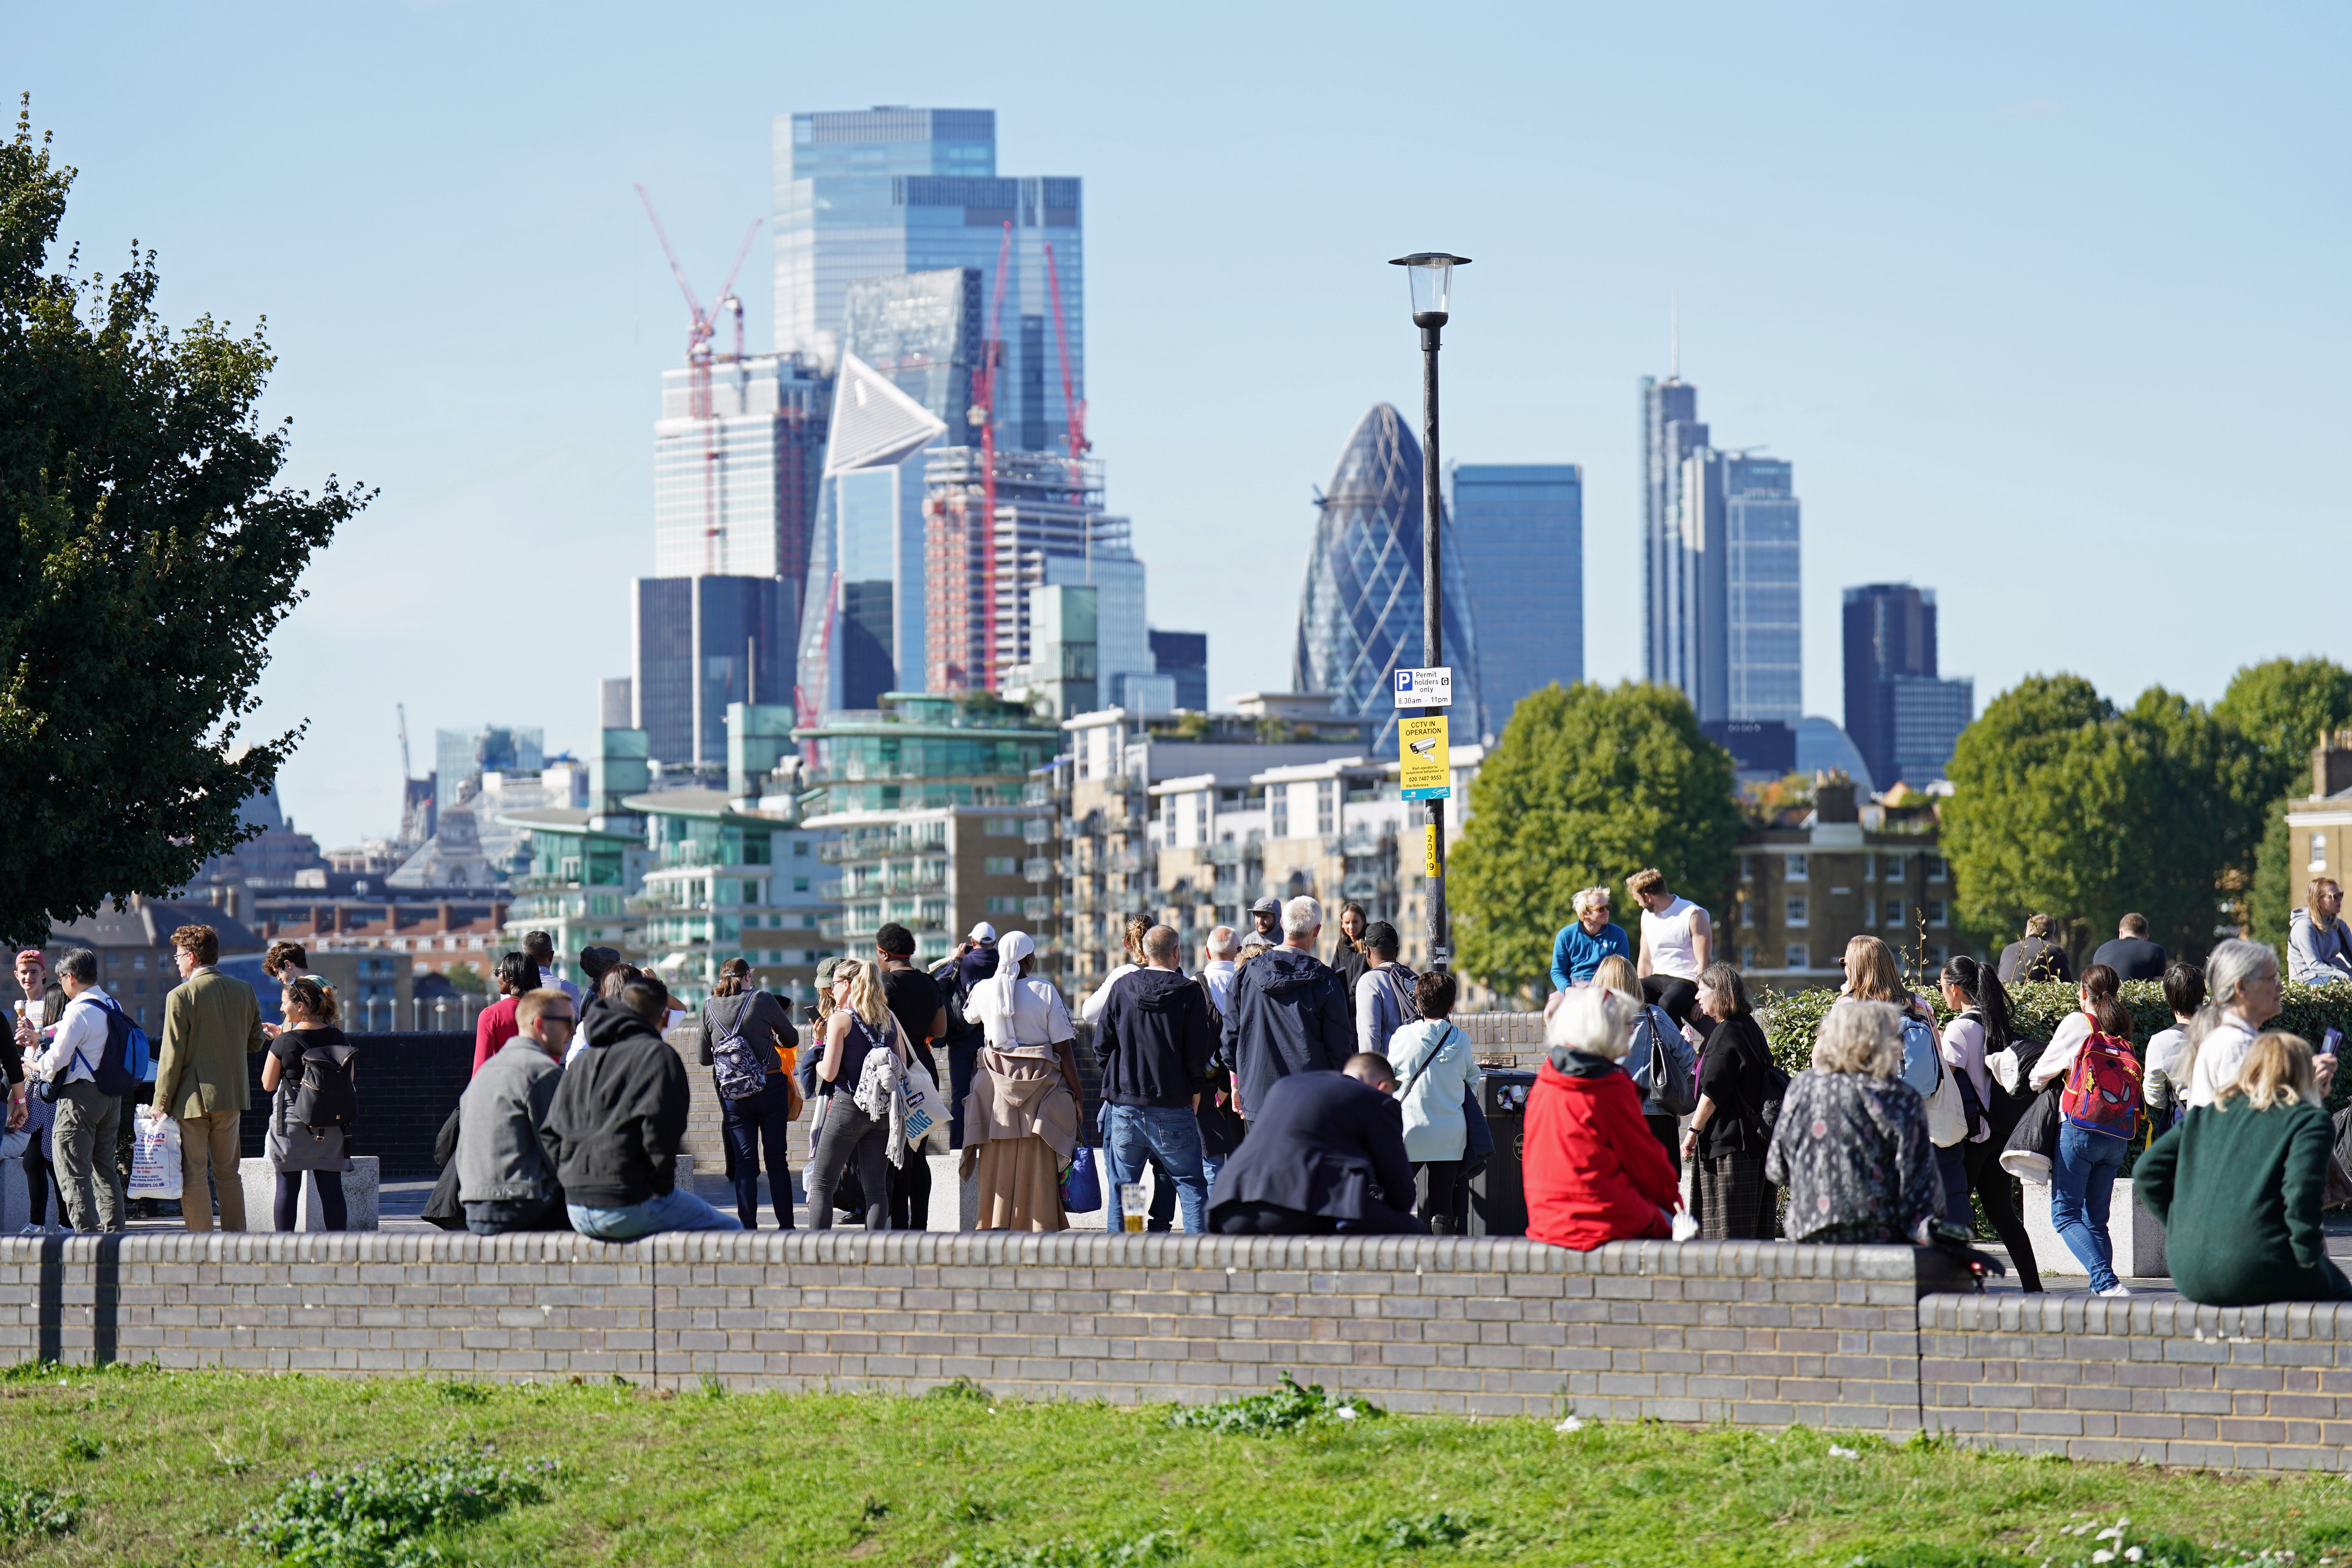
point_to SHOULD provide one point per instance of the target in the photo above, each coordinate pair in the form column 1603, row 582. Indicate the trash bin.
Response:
column 1499, row 1203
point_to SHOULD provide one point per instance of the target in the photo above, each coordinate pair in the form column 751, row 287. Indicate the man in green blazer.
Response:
column 211, row 1024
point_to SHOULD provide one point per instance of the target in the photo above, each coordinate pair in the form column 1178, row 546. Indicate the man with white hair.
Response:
column 1586, row 942
column 1217, row 965
column 1286, row 1013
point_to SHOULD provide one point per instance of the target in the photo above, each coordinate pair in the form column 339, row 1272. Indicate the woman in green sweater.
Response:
column 2238, row 1186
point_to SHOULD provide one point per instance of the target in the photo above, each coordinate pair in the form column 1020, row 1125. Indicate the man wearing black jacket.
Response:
column 1325, row 1154
column 1154, row 1039
column 613, row 1131
column 1285, row 1013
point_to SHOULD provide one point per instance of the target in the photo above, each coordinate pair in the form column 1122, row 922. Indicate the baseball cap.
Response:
column 1268, row 906
column 984, row 933
column 825, row 973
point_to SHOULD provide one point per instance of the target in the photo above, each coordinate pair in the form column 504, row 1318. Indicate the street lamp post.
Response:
column 1431, row 276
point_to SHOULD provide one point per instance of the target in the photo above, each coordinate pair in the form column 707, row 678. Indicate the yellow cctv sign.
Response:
column 1425, row 773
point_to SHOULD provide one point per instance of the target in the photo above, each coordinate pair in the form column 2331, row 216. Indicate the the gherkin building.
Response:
column 1359, row 617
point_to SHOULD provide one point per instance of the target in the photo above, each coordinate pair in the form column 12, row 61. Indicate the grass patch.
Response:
column 768, row 1480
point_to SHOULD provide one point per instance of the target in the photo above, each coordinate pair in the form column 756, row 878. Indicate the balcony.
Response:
column 1222, row 854
column 1036, row 909
column 1037, row 869
column 1037, row 830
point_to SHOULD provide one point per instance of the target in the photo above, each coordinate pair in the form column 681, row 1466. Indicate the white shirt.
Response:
column 1219, row 973
column 1670, row 940
column 2057, row 1058
column 73, row 1051
column 1091, row 1008
column 1040, row 1021
column 1964, row 1048
column 2219, row 1056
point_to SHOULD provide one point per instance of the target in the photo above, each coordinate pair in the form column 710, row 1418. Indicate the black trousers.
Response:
column 1273, row 1219
column 1438, row 1205
column 964, row 1061
column 749, row 1124
column 287, row 1209
column 1998, row 1188
column 1668, row 1132
column 910, row 1192
column 1676, row 996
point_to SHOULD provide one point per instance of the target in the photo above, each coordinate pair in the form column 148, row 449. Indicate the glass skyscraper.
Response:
column 882, row 192
column 1670, row 432
column 1360, row 616
column 1521, row 527
column 733, row 493
column 1902, row 716
column 702, row 643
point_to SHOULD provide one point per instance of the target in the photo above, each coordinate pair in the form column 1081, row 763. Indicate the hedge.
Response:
column 1790, row 1022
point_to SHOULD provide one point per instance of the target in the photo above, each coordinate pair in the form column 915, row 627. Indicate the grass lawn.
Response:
column 166, row 1466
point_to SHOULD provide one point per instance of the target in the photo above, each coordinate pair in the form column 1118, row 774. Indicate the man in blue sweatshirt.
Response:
column 1579, row 949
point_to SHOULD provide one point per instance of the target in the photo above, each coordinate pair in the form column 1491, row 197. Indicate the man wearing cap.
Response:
column 1265, row 920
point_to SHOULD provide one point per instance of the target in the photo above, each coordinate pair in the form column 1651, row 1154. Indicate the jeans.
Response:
column 2082, row 1179
column 285, row 1211
column 676, row 1209
column 748, row 1124
column 850, row 1133
column 84, row 1141
column 1952, row 1167
column 1167, row 1135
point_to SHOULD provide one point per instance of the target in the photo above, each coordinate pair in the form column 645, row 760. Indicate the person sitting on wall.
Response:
column 616, row 1123
column 505, row 1180
column 1325, row 1154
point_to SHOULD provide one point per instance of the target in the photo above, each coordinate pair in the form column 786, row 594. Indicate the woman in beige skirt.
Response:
column 1021, row 1120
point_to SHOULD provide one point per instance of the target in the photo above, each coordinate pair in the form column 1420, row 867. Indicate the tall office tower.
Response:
column 909, row 347
column 735, row 490
column 1183, row 658
column 462, row 756
column 1522, row 531
column 1360, row 613
column 616, row 709
column 1051, row 532
column 1740, row 526
column 1670, row 432
column 1902, row 716
column 883, row 192
column 699, row 643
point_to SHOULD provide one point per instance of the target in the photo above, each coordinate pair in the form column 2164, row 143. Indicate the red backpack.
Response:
column 2103, row 1093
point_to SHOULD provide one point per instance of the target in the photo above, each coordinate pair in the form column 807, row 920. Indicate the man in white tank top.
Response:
column 1678, row 943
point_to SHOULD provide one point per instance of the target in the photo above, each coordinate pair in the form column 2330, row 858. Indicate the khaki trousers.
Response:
column 208, row 1145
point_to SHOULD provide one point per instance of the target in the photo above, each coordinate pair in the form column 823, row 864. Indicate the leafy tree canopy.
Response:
column 1587, row 786
column 149, row 555
column 2064, row 804
column 2284, row 706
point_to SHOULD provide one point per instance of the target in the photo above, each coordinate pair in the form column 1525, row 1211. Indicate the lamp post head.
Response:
column 1432, row 274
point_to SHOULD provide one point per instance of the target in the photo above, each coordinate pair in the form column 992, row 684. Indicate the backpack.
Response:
column 737, row 1065
column 1921, row 1060
column 2103, row 1093
column 123, row 1063
column 1390, row 999
column 1670, row 1082
column 326, row 1098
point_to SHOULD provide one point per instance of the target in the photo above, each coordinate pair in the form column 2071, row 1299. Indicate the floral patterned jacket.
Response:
column 1854, row 1151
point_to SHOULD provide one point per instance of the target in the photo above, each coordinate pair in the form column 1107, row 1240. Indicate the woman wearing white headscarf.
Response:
column 1021, row 1120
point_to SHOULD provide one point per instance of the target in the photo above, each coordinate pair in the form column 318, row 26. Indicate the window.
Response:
column 1935, row 867
column 2319, row 852
column 1894, row 911
column 1002, row 827
column 1890, row 868
column 1935, row 908
column 808, row 922
column 1750, row 867
column 1799, row 958
column 1003, row 904
column 800, row 848
column 138, row 961
column 800, row 884
column 1000, row 865
column 1278, row 804
column 1798, row 870
column 1326, row 794
column 1797, row 911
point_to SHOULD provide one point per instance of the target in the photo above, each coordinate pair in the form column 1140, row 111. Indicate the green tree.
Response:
column 2284, row 706
column 2063, row 805
column 149, row 555
column 1587, row 786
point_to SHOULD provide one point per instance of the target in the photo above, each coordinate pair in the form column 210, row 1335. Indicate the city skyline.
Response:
column 1913, row 315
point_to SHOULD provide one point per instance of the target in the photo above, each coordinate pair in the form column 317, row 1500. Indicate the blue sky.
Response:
column 2045, row 304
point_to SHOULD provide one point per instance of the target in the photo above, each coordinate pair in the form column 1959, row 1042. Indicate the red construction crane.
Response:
column 702, row 327
column 1075, row 404
column 983, row 409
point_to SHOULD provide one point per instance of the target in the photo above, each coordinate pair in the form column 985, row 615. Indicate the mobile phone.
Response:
column 2330, row 1041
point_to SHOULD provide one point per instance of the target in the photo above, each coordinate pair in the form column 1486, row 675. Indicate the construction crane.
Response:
column 1073, row 408
column 804, row 708
column 984, row 384
column 702, row 327
column 406, row 772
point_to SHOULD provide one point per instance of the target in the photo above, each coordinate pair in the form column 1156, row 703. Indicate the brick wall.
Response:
column 2167, row 1381
column 1756, row 1333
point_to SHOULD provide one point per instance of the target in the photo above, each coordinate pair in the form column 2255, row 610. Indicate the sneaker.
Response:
column 2119, row 1288
column 34, row 1230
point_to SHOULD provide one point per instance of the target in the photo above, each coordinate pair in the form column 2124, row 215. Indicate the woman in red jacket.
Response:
column 1594, row 1170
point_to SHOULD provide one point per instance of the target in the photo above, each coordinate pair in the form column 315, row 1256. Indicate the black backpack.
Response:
column 326, row 1098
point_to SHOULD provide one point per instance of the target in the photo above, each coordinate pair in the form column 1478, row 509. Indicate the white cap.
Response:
column 983, row 932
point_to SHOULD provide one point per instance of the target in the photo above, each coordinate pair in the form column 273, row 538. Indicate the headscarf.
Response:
column 995, row 995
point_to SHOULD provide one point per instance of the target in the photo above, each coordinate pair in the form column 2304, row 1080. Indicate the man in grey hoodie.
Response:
column 505, row 1180
column 2318, row 949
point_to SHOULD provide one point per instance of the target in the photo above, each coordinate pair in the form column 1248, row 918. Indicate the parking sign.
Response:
column 1431, row 688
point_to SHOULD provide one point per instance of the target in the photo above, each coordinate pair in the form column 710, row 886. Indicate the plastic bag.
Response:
column 155, row 1158
column 1081, row 1186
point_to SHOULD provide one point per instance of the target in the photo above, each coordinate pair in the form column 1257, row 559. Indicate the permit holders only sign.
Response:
column 1425, row 687
column 1425, row 773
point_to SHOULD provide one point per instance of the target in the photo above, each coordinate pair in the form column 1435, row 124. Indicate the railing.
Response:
column 1036, row 869
column 1222, row 854
column 389, row 1016
column 1036, row 909
column 1037, row 830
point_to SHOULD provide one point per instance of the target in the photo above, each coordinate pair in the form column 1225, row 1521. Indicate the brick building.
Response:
column 1814, row 881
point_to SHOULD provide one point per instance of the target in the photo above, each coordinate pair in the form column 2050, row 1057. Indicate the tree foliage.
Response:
column 2284, row 706
column 150, row 554
column 1587, row 786
column 2064, row 804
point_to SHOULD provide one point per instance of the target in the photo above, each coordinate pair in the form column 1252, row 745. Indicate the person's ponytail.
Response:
column 2104, row 987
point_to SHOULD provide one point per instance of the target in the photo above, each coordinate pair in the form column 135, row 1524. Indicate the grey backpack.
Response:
column 740, row 1067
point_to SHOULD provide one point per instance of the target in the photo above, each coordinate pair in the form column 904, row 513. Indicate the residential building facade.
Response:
column 1810, row 884
column 936, row 871
column 720, row 881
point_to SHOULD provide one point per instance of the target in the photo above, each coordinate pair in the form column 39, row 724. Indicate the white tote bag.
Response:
column 926, row 1115
column 1948, row 1116
column 154, row 1157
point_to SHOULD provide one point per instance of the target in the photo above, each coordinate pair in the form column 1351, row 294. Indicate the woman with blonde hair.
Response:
column 1852, row 1143
column 861, row 1025
column 1872, row 975
column 2238, row 1186
column 1021, row 1118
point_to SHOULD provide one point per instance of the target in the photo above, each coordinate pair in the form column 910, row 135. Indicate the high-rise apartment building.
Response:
column 700, row 644
column 1671, row 431
column 884, row 192
column 1903, row 718
column 1521, row 532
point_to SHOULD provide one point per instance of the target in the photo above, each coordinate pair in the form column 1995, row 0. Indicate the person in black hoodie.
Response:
column 613, row 1131
column 1154, row 1040
column 1285, row 1013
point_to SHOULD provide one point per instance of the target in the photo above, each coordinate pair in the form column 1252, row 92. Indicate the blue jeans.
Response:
column 1134, row 1135
column 2082, row 1179
column 676, row 1209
